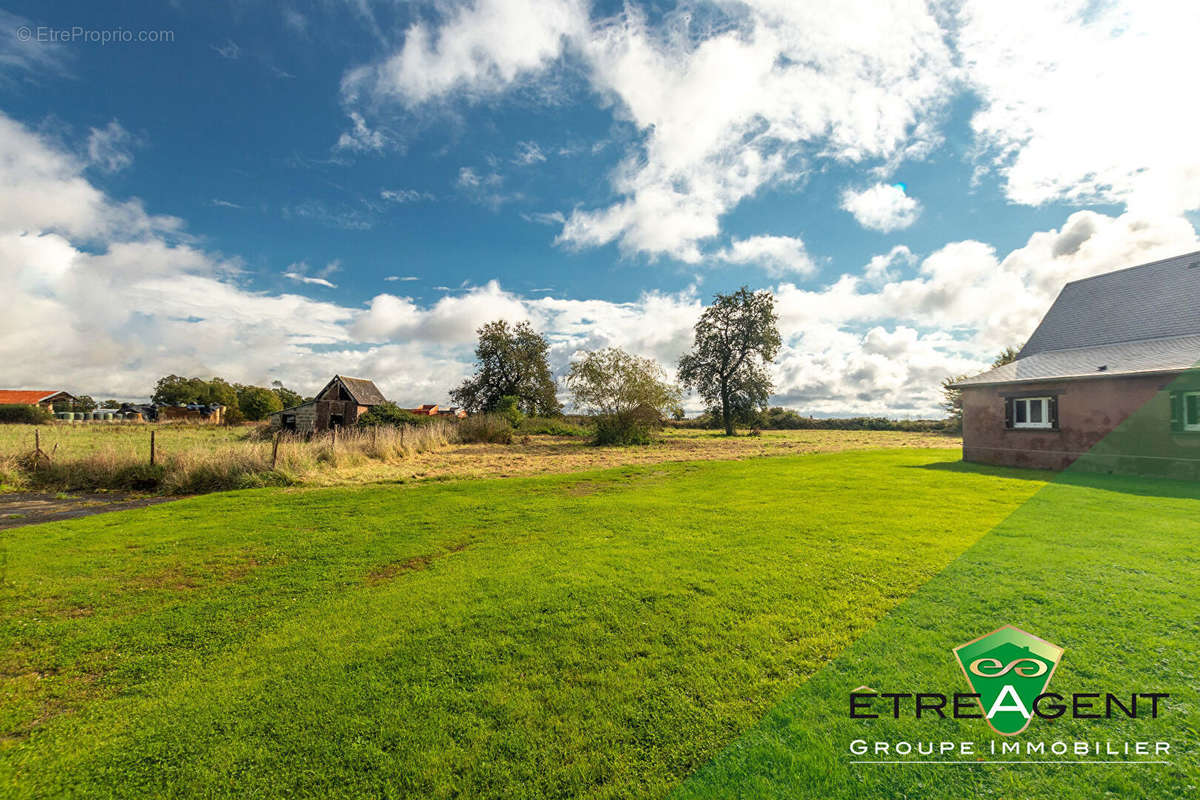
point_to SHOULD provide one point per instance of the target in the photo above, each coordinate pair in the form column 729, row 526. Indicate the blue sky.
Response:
column 915, row 190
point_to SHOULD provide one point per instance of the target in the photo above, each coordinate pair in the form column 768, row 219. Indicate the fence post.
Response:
column 274, row 450
column 333, row 432
column 37, row 442
column 152, row 447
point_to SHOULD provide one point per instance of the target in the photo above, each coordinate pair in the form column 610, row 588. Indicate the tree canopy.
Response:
column 510, row 361
column 614, row 382
column 737, row 337
column 628, row 392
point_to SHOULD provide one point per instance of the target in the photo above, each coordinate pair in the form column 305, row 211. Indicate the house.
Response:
column 1108, row 381
column 339, row 404
column 44, row 398
column 434, row 410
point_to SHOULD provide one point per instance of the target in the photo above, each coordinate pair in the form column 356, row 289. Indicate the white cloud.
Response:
column 528, row 153
column 296, row 276
column 106, row 309
column 30, row 59
column 726, row 113
column 1081, row 100
column 404, row 195
column 480, row 47
column 544, row 217
column 361, row 137
column 721, row 109
column 228, row 50
column 402, row 278
column 884, row 268
column 778, row 255
column 109, row 148
column 881, row 207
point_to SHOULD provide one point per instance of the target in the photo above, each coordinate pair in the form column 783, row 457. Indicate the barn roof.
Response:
column 1152, row 301
column 1173, row 354
column 364, row 392
column 27, row 396
column 1143, row 319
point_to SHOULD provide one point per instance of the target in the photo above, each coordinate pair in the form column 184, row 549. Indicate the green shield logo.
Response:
column 1008, row 668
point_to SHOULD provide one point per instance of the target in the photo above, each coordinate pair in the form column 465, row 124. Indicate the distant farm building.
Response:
column 1108, row 381
column 433, row 410
column 44, row 398
column 339, row 404
column 194, row 412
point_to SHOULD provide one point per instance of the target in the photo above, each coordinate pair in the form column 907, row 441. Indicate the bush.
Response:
column 486, row 429
column 391, row 414
column 551, row 426
column 24, row 415
column 622, row 430
column 509, row 408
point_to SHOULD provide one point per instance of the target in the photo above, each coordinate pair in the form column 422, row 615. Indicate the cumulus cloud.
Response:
column 480, row 47
column 1080, row 103
column 778, row 255
column 106, row 309
column 881, row 207
column 721, row 109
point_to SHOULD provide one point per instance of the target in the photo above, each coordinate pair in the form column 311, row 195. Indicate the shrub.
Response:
column 485, row 428
column 391, row 414
column 25, row 415
column 509, row 408
column 615, row 429
column 551, row 426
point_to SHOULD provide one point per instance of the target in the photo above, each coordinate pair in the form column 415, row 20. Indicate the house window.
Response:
column 1191, row 411
column 1031, row 412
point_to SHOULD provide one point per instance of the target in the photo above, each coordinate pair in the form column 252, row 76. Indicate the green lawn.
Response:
column 593, row 635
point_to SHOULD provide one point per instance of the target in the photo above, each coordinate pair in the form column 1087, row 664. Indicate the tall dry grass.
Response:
column 207, row 467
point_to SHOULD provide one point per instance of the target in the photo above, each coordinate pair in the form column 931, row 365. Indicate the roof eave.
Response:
column 1081, row 377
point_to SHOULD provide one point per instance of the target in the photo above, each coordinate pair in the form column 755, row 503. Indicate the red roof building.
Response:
column 46, row 398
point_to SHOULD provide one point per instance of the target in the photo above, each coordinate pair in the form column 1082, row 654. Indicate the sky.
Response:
column 272, row 191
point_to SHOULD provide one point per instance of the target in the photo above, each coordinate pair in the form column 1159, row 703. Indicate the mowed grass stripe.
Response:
column 594, row 635
column 1107, row 567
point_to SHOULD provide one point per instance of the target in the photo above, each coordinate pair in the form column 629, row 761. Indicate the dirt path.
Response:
column 31, row 508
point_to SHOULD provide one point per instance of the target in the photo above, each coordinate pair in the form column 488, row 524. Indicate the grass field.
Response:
column 678, row 627
column 206, row 458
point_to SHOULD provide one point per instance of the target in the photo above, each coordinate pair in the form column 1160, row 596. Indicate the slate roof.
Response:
column 1142, row 319
column 1153, row 301
column 364, row 392
column 1174, row 354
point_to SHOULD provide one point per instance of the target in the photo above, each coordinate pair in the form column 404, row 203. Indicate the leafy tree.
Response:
column 176, row 390
column 256, row 402
column 736, row 338
column 1007, row 356
column 288, row 397
column 83, row 402
column 111, row 404
column 952, row 397
column 952, row 400
column 630, row 393
column 511, row 360
column 220, row 392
